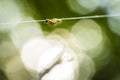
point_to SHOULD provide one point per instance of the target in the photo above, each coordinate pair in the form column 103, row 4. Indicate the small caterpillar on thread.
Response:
column 56, row 21
column 53, row 21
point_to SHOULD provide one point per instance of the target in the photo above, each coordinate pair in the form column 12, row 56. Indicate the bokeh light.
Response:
column 87, row 34
column 83, row 6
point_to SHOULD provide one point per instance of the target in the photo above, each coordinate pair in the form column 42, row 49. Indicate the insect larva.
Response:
column 53, row 21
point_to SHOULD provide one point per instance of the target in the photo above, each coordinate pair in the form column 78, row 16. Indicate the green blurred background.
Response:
column 47, row 9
